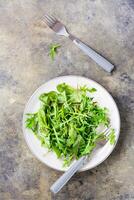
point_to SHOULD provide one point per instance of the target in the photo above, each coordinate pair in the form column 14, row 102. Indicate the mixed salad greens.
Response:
column 67, row 122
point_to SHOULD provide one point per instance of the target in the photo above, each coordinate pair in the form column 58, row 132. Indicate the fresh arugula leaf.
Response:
column 92, row 90
column 53, row 50
column 86, row 89
column 32, row 122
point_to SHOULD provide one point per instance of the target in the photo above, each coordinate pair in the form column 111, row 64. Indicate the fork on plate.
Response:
column 77, row 165
column 60, row 29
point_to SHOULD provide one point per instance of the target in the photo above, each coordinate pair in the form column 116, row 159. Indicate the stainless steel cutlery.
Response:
column 60, row 29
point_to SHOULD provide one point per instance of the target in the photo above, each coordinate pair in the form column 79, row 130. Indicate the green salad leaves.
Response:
column 53, row 50
column 67, row 122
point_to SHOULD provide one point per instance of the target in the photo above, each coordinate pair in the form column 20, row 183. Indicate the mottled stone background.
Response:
column 107, row 26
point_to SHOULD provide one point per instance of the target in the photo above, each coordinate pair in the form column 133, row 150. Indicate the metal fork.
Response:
column 77, row 165
column 60, row 29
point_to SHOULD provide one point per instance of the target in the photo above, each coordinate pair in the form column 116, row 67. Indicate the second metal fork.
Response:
column 77, row 165
column 60, row 29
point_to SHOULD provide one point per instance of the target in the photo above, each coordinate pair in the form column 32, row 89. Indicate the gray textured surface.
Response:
column 107, row 26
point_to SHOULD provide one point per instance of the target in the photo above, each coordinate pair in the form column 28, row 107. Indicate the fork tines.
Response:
column 50, row 20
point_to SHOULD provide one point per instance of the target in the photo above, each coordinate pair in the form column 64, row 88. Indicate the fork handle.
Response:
column 100, row 60
column 57, row 186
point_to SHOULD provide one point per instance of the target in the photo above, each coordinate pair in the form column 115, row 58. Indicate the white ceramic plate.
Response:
column 101, row 96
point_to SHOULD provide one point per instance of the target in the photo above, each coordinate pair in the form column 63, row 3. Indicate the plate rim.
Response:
column 72, row 76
